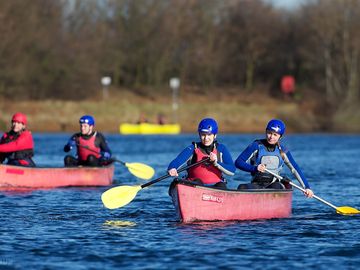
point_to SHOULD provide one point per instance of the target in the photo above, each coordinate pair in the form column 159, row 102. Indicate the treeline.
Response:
column 60, row 49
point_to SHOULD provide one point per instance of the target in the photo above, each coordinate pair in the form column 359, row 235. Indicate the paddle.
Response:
column 122, row 195
column 344, row 210
column 140, row 170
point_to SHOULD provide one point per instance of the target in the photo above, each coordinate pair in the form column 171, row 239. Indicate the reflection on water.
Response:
column 69, row 228
column 119, row 223
column 9, row 191
column 205, row 226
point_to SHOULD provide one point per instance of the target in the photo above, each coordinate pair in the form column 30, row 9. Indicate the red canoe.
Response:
column 198, row 203
column 15, row 177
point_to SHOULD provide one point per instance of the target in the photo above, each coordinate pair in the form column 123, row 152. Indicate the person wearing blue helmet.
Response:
column 269, row 154
column 211, row 173
column 92, row 148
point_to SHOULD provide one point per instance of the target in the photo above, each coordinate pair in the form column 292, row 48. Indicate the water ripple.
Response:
column 70, row 229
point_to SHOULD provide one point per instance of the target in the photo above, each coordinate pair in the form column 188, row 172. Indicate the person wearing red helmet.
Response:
column 211, row 173
column 92, row 148
column 269, row 154
column 17, row 145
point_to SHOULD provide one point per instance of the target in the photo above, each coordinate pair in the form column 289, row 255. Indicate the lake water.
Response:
column 70, row 229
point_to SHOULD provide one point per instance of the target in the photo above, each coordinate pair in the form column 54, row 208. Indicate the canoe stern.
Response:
column 13, row 177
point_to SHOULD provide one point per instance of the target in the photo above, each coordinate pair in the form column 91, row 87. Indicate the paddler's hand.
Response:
column 308, row 193
column 173, row 172
column 213, row 157
column 261, row 168
column 70, row 145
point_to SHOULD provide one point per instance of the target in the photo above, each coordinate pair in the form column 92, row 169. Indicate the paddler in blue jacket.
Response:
column 92, row 148
column 269, row 153
column 211, row 173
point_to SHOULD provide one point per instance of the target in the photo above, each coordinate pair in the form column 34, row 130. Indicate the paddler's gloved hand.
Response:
column 71, row 143
column 105, row 156
column 285, row 180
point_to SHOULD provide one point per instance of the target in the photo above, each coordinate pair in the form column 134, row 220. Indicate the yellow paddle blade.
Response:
column 347, row 210
column 119, row 196
column 141, row 170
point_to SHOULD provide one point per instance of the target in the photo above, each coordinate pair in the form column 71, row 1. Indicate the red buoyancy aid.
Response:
column 87, row 148
column 21, row 144
column 207, row 172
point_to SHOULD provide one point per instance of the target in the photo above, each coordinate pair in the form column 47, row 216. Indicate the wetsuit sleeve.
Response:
column 295, row 170
column 226, row 165
column 70, row 144
column 243, row 160
column 102, row 143
column 182, row 158
column 23, row 142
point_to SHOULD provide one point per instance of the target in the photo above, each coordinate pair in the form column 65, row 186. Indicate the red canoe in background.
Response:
column 199, row 203
column 16, row 177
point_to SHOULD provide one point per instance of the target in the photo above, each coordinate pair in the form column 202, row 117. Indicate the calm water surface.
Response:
column 70, row 229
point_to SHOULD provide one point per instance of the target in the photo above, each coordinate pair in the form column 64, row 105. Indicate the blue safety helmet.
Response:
column 208, row 125
column 276, row 125
column 87, row 119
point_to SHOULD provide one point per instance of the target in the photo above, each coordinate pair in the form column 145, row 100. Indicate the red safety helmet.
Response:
column 19, row 117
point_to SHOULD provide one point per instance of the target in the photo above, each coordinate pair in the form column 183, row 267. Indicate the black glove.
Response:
column 71, row 143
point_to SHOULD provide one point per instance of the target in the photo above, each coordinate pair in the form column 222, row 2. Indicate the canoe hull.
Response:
column 197, row 203
column 148, row 129
column 13, row 177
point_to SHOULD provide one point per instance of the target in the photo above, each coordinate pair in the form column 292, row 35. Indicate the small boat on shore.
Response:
column 16, row 177
column 149, row 129
column 198, row 203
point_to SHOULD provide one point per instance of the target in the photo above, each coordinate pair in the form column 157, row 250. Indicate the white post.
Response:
column 174, row 85
column 105, row 81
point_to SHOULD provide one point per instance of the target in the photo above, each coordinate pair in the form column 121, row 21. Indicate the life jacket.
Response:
column 206, row 172
column 26, row 153
column 273, row 161
column 87, row 147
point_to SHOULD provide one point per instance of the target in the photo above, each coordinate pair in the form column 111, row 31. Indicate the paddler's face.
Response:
column 86, row 129
column 17, row 126
column 207, row 139
column 272, row 137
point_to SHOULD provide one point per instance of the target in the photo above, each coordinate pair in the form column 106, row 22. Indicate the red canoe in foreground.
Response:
column 16, row 177
column 198, row 203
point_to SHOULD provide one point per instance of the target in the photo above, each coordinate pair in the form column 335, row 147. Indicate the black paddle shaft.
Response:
column 168, row 175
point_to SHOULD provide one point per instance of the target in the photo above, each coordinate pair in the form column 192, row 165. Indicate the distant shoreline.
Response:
column 241, row 114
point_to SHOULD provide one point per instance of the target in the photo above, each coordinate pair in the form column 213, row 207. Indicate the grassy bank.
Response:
column 235, row 112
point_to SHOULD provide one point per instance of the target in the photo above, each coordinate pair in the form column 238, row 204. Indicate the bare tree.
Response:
column 250, row 28
column 335, row 45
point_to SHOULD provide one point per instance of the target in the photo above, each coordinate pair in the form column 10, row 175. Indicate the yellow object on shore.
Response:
column 148, row 129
